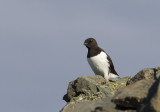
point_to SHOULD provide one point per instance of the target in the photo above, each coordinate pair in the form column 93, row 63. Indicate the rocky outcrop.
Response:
column 147, row 73
column 92, row 88
column 133, row 96
column 128, row 94
column 152, row 103
column 103, row 104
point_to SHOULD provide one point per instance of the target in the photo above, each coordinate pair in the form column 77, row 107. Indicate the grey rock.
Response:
column 101, row 105
column 86, row 87
column 89, row 106
column 158, row 74
column 133, row 95
column 152, row 103
column 69, row 107
column 147, row 73
column 94, row 93
column 92, row 88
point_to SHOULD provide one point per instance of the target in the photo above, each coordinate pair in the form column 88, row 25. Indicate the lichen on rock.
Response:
column 92, row 87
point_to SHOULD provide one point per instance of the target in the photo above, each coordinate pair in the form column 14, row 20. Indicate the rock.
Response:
column 69, row 107
column 86, row 86
column 133, row 95
column 94, row 93
column 90, row 106
column 92, row 88
column 147, row 73
column 101, row 105
column 152, row 103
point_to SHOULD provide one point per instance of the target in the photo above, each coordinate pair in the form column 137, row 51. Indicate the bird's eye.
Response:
column 91, row 40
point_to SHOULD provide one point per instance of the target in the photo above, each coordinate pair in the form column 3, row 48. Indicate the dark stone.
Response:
column 152, row 103
column 147, row 73
column 132, row 96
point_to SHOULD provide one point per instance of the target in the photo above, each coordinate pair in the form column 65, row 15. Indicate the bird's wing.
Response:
column 112, row 70
column 111, row 67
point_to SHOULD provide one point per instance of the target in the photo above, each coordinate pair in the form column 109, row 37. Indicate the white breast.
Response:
column 99, row 64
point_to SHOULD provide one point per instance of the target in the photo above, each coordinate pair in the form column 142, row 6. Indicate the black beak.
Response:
column 85, row 44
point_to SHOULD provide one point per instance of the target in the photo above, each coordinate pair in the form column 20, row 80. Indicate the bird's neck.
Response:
column 93, row 51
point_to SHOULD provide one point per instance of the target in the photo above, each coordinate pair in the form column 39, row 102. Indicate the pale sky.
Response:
column 41, row 46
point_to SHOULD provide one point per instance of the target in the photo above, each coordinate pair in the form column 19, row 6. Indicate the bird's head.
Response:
column 90, row 43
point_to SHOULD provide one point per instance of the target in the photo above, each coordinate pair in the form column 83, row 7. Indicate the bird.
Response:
column 99, row 61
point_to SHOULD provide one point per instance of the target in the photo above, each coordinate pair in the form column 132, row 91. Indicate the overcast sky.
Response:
column 41, row 46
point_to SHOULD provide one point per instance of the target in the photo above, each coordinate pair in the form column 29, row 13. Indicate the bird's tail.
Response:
column 113, row 76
